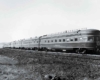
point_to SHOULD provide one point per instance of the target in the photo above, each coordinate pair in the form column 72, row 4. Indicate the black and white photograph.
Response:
column 49, row 39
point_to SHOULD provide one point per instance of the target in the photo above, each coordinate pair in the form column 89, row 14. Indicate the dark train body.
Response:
column 78, row 41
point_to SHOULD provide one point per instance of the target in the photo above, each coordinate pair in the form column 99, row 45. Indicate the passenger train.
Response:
column 78, row 41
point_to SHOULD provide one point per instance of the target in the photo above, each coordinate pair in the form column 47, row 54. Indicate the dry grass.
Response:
column 34, row 66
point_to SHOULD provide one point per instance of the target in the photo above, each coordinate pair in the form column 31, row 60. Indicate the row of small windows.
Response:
column 62, row 40
column 75, row 39
column 66, row 40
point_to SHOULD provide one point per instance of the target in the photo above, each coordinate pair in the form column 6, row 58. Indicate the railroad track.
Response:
column 64, row 54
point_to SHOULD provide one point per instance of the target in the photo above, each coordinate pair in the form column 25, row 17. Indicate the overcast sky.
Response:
column 29, row 18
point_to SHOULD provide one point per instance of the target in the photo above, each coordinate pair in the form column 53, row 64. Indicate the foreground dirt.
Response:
column 27, row 65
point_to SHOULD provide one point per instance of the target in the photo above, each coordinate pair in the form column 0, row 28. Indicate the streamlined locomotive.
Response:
column 78, row 41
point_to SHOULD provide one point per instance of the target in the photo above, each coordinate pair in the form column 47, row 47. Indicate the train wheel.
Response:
column 83, row 51
column 80, row 50
column 52, row 50
column 97, row 50
column 77, row 51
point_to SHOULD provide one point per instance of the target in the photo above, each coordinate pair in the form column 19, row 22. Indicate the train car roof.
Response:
column 89, row 30
column 92, row 31
column 73, row 32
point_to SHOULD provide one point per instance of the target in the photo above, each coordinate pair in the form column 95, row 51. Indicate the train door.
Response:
column 39, row 41
column 98, row 40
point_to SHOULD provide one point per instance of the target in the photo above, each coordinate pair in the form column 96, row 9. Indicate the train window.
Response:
column 80, row 38
column 51, row 40
column 48, row 41
column 59, row 40
column 68, row 40
column 76, row 39
column 55, row 40
column 71, row 39
column 63, row 40
column 45, row 40
column 84, row 38
column 90, row 38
